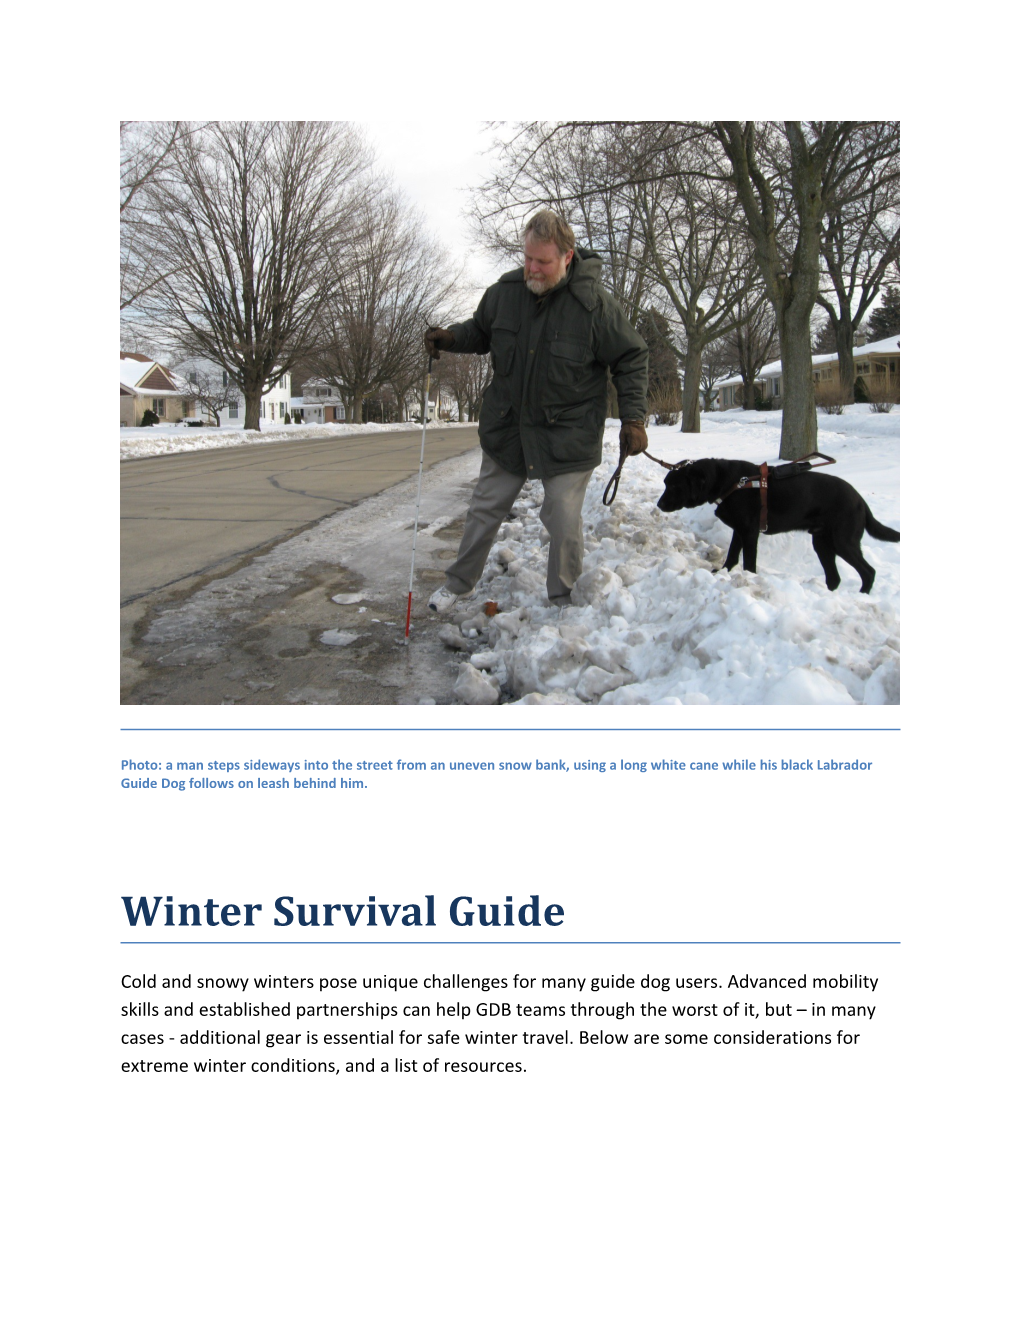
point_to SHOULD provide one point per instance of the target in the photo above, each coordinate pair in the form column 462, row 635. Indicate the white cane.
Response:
column 417, row 503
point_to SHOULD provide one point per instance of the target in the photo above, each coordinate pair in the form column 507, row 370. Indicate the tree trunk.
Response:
column 357, row 408
column 252, row 403
column 800, row 418
column 845, row 350
column 692, row 391
column 747, row 398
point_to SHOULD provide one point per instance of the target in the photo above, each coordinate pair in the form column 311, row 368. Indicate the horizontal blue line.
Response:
column 201, row 728
column 368, row 944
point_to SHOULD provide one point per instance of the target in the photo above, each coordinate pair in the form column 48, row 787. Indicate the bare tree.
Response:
column 384, row 289
column 145, row 151
column 715, row 364
column 696, row 249
column 245, row 218
column 860, row 242
column 788, row 179
column 751, row 344
column 465, row 376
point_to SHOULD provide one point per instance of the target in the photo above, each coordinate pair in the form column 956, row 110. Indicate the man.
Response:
column 553, row 331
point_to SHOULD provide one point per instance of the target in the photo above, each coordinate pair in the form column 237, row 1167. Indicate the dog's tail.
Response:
column 874, row 528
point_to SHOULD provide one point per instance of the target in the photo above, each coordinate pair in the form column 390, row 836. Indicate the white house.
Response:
column 196, row 372
column 320, row 402
column 876, row 362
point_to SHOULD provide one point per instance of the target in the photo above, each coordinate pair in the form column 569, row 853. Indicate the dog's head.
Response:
column 689, row 486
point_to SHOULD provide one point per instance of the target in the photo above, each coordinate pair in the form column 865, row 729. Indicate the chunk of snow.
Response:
column 474, row 688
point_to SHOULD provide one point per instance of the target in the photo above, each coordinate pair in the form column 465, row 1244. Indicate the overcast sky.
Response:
column 434, row 166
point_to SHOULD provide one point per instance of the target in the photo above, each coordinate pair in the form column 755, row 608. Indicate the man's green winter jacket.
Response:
column 544, row 411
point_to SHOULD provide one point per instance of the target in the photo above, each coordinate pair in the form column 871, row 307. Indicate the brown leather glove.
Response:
column 633, row 438
column 436, row 338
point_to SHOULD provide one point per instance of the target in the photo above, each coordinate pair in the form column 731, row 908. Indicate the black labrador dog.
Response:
column 827, row 507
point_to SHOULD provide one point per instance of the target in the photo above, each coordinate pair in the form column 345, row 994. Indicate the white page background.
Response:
column 604, row 1181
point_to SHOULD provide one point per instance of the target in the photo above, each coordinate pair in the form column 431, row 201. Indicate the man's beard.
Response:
column 539, row 284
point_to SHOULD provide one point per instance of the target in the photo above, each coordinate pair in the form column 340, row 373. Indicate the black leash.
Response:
column 793, row 469
column 613, row 485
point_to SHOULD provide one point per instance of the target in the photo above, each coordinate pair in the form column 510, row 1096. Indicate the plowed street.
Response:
column 231, row 558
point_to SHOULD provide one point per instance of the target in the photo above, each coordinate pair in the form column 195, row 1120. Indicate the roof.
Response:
column 133, row 372
column 880, row 346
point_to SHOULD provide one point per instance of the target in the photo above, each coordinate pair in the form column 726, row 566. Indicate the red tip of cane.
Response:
column 407, row 626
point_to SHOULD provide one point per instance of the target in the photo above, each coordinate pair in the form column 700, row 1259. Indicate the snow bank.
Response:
column 149, row 441
column 651, row 623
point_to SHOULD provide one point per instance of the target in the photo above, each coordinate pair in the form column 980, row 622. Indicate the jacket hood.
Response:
column 587, row 264
column 587, row 274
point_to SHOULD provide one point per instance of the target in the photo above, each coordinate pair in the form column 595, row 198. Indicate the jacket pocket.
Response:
column 500, row 433
column 503, row 346
column 574, row 433
column 569, row 368
column 572, row 415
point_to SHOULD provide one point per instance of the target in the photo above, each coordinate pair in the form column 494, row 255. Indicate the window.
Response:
column 893, row 367
column 880, row 368
column 160, row 407
column 863, row 368
column 272, row 412
column 777, row 385
column 232, row 410
column 193, row 377
column 226, row 378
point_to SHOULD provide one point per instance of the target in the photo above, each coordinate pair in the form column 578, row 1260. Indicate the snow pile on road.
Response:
column 150, row 441
column 651, row 623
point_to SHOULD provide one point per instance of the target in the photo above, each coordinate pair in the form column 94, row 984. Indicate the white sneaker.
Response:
column 443, row 600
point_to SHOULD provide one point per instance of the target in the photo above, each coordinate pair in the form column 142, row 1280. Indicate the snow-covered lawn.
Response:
column 651, row 623
column 148, row 441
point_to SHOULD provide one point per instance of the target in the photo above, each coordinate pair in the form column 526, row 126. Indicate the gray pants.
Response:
column 493, row 499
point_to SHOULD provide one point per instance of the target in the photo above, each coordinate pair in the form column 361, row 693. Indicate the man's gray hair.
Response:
column 547, row 227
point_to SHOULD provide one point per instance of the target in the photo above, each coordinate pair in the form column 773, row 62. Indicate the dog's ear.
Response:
column 714, row 475
column 699, row 477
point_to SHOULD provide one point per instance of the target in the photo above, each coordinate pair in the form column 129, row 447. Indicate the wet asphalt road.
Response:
column 186, row 515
